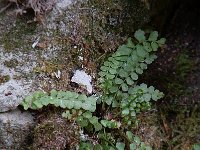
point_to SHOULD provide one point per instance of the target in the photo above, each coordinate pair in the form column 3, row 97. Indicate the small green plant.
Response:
column 119, row 75
column 69, row 100
column 184, row 65
column 121, row 95
column 78, row 106
column 136, row 143
column 109, row 143
column 196, row 146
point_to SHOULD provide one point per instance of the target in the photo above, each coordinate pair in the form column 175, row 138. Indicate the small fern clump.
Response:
column 133, row 143
column 78, row 107
column 118, row 81
column 119, row 74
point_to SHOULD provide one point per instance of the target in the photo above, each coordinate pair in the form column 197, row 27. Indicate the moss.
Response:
column 183, row 124
column 184, row 65
column 18, row 36
column 11, row 63
column 4, row 79
column 172, row 126
column 136, row 15
column 149, row 129
column 175, row 83
column 122, row 17
column 55, row 132
column 48, row 67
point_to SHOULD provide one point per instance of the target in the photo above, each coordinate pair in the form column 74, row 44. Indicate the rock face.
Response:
column 31, row 55
column 15, row 129
column 13, row 90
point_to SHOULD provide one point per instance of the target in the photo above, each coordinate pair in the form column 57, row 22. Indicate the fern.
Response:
column 119, row 74
column 118, row 81
column 108, row 143
column 66, row 100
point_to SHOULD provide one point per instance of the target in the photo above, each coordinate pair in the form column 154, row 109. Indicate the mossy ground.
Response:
column 175, row 72
column 174, row 121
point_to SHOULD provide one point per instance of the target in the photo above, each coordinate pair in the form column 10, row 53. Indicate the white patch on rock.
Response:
column 13, row 91
column 36, row 42
column 80, row 58
column 60, row 17
column 63, row 3
column 57, row 74
column 82, row 78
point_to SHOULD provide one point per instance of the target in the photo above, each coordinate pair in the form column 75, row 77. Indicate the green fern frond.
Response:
column 65, row 100
column 119, row 74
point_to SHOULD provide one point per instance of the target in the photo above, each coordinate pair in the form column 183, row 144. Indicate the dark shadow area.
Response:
column 176, row 72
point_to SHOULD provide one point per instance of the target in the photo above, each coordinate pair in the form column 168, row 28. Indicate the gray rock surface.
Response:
column 18, row 57
column 13, row 91
column 15, row 127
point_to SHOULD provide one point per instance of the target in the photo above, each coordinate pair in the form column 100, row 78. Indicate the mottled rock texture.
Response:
column 67, row 31
column 15, row 127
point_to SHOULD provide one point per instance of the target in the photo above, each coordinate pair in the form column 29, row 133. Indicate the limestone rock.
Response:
column 14, row 90
column 82, row 78
column 15, row 129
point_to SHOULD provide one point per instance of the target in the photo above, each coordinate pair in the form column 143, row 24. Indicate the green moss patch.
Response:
column 4, row 79
column 55, row 132
column 18, row 36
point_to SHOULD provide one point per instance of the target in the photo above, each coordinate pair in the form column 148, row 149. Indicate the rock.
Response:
column 15, row 127
column 63, row 4
column 82, row 78
column 32, row 62
column 13, row 90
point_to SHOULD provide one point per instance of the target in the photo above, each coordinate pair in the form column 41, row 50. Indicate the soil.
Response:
column 176, row 72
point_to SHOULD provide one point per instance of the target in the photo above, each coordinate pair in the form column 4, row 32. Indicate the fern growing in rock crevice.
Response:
column 119, row 74
column 65, row 100
column 118, row 81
